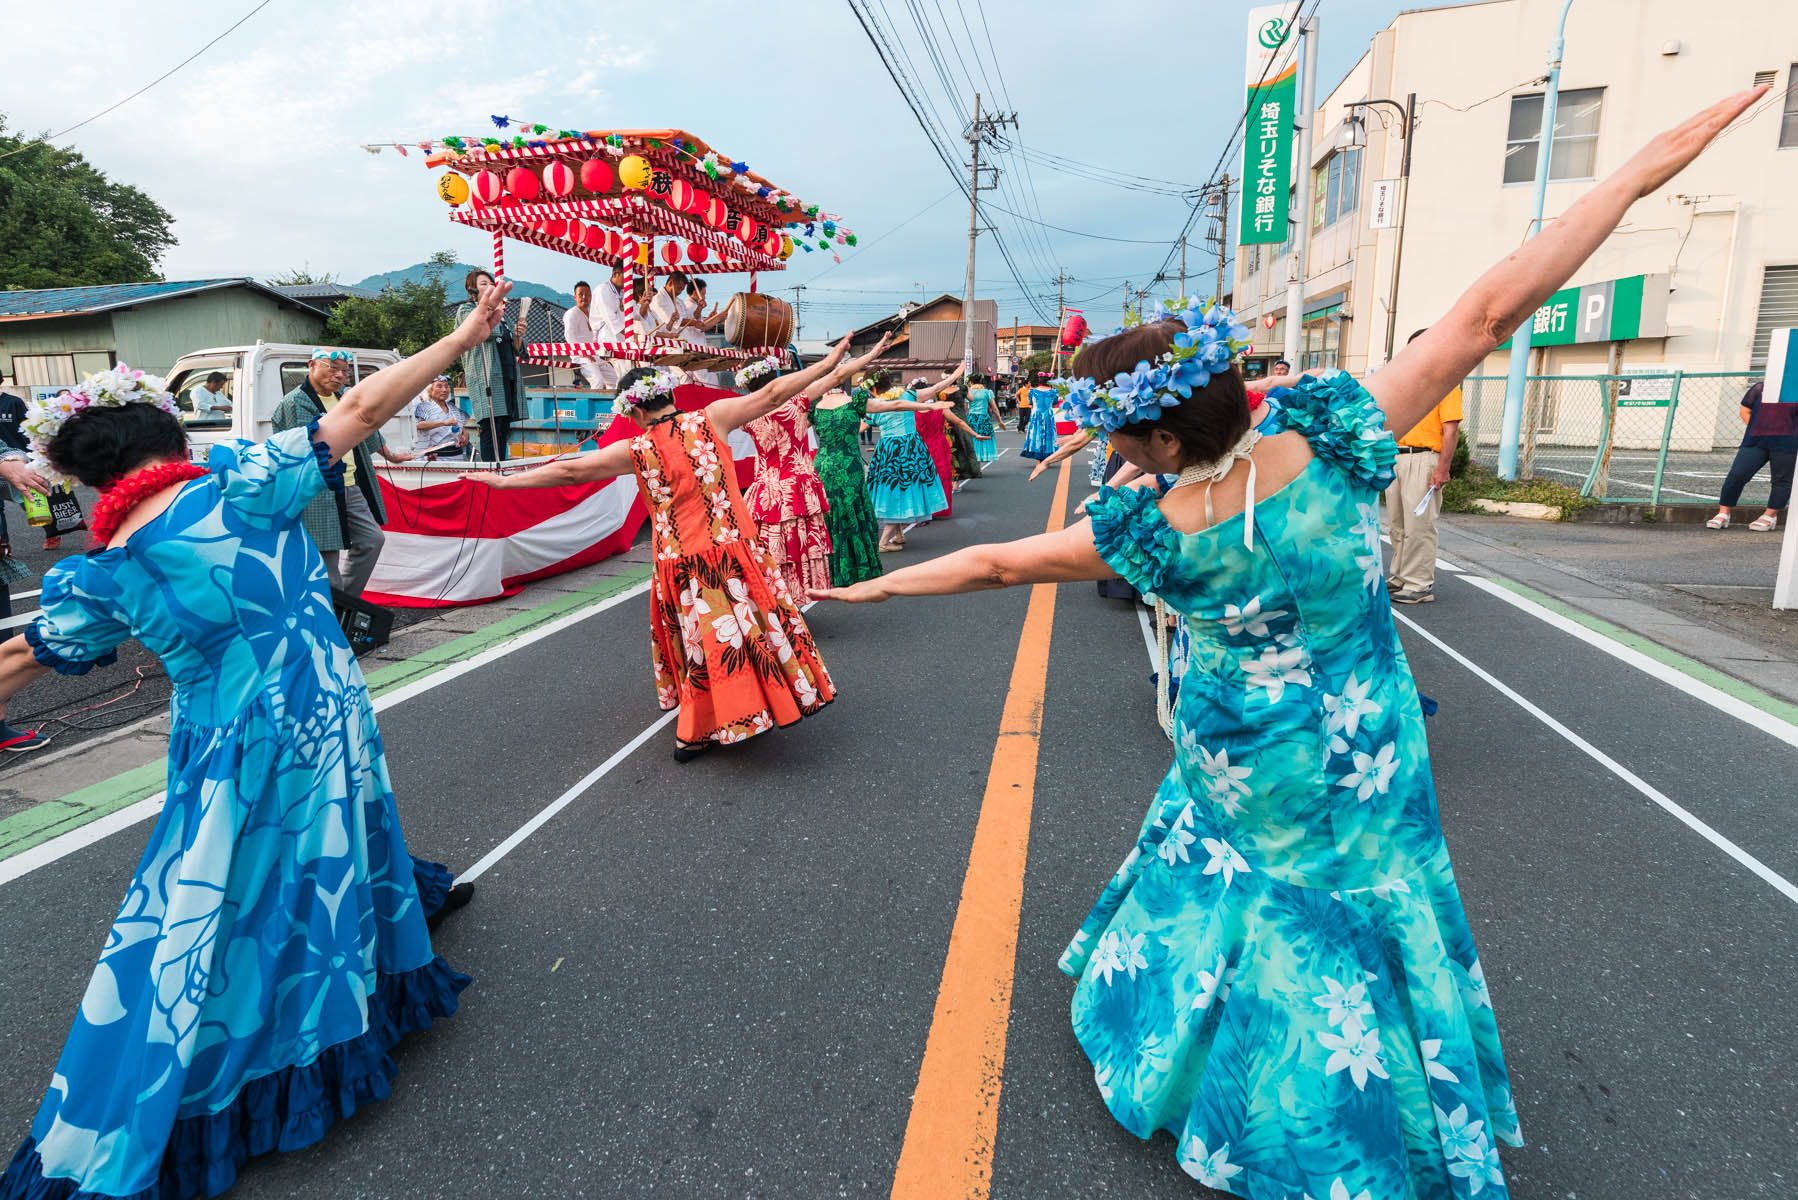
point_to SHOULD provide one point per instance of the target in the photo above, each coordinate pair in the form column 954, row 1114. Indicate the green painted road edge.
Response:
column 52, row 818
column 1729, row 685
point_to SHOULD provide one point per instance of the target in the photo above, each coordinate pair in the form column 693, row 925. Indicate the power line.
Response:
column 140, row 91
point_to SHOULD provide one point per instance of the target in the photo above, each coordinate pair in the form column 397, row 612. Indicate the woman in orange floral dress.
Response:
column 730, row 648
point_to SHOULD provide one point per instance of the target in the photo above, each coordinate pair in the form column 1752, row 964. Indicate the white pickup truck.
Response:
column 257, row 379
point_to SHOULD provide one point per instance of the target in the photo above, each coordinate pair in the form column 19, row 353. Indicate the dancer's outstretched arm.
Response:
column 964, row 426
column 1501, row 299
column 875, row 406
column 1070, row 445
column 947, row 381
column 371, row 403
column 1066, row 556
column 734, row 412
column 608, row 462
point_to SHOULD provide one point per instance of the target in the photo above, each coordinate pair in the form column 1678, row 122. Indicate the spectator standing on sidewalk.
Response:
column 490, row 372
column 350, row 520
column 1425, row 455
column 1770, row 440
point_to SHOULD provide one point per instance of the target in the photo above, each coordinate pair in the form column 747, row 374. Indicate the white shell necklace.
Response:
column 1209, row 473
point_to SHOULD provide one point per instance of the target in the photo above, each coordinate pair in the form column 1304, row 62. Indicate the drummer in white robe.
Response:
column 578, row 326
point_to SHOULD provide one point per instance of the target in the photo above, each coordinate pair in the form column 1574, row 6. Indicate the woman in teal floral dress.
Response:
column 1280, row 974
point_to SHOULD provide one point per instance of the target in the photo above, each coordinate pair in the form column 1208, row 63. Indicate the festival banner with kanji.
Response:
column 1272, row 82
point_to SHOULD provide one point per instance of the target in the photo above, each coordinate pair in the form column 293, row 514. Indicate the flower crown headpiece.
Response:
column 113, row 388
column 1211, row 341
column 757, row 369
column 645, row 391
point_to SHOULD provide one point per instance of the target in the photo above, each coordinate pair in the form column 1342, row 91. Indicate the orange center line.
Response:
column 949, row 1138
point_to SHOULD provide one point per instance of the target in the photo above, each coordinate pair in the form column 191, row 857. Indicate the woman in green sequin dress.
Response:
column 854, row 533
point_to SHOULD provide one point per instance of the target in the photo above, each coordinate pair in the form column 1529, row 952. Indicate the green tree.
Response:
column 1041, row 361
column 301, row 275
column 65, row 224
column 405, row 317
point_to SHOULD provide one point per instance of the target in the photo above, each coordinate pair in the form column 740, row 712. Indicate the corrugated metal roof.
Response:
column 54, row 302
column 318, row 291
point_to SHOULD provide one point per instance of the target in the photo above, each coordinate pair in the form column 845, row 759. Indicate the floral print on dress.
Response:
column 1308, row 1015
column 787, row 498
column 729, row 646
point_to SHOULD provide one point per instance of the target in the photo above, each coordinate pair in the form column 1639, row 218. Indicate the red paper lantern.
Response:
column 771, row 244
column 574, row 231
column 553, row 227
column 487, row 188
column 596, row 176
column 613, row 242
column 696, row 252
column 671, row 253
column 680, row 196
column 558, row 179
column 593, row 237
column 522, row 183
column 715, row 212
column 746, row 229
column 702, row 200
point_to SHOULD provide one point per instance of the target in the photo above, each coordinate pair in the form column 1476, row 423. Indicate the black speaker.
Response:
column 365, row 625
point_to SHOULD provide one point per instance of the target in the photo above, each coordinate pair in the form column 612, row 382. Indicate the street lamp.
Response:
column 1352, row 135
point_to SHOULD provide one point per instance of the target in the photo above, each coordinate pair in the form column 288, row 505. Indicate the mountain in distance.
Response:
column 452, row 279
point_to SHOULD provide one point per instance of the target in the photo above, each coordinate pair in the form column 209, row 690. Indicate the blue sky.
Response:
column 255, row 146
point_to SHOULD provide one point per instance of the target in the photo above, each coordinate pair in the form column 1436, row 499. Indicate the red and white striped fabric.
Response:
column 451, row 542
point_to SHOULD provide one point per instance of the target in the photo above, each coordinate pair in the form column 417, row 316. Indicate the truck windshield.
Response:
column 203, row 391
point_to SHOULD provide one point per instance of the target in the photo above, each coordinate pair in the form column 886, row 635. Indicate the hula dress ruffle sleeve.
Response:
column 271, row 948
column 1281, row 973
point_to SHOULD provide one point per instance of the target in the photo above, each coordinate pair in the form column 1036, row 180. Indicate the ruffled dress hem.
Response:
column 288, row 1110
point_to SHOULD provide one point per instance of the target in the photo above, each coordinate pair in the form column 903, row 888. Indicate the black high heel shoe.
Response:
column 688, row 751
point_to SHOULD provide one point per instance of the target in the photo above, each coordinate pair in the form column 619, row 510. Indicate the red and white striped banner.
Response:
column 628, row 212
column 451, row 542
column 645, row 350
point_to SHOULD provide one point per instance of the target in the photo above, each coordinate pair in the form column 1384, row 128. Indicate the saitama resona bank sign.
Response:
column 1272, row 76
column 1616, row 310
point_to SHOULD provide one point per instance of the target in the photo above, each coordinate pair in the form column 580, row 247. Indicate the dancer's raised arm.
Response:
column 1066, row 556
column 736, row 411
column 380, row 397
column 1501, row 299
column 943, row 384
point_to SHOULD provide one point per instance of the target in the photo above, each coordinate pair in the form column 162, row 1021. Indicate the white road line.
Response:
column 1639, row 483
column 1148, row 637
column 1778, row 882
column 24, row 618
column 26, row 595
column 98, row 830
column 1718, row 699
column 561, row 802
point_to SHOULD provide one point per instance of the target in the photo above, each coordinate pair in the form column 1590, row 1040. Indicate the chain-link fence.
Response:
column 1664, row 438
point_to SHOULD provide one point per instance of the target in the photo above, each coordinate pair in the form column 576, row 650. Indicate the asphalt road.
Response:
column 717, row 979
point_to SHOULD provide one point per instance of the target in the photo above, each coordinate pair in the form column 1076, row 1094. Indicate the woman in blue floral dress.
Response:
column 272, row 948
column 1280, row 974
column 1039, row 435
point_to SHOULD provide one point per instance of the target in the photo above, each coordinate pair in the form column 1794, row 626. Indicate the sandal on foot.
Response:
column 688, row 751
column 1720, row 521
column 1765, row 523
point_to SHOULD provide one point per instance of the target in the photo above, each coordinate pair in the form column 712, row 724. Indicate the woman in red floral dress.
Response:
column 730, row 648
column 787, row 497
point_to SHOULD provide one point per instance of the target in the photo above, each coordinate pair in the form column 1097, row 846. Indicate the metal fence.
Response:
column 1661, row 438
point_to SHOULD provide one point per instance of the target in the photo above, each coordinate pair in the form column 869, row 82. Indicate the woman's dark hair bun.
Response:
column 98, row 446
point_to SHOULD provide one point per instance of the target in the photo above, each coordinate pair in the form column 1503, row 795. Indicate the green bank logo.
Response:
column 1273, row 33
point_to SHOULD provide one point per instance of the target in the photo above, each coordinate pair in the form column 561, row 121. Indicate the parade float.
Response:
column 653, row 202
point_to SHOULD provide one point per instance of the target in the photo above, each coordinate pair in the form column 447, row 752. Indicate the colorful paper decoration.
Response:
column 558, row 179
column 522, row 184
column 487, row 188
column 452, row 188
column 633, row 171
column 596, row 176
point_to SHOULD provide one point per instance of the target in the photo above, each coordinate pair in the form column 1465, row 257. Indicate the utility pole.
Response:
column 1301, row 243
column 798, row 291
column 1061, row 318
column 1223, row 234
column 1182, row 266
column 979, row 131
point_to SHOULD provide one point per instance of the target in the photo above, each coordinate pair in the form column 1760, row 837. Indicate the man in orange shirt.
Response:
column 1425, row 454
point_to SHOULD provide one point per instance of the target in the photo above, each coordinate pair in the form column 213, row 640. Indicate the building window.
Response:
column 1574, row 152
column 1320, row 339
column 1335, row 188
column 1788, row 128
column 44, row 370
column 1778, row 310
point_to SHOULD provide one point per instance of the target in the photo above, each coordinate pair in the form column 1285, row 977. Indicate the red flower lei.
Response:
column 128, row 491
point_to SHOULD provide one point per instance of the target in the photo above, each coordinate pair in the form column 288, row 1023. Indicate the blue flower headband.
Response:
column 1207, row 346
